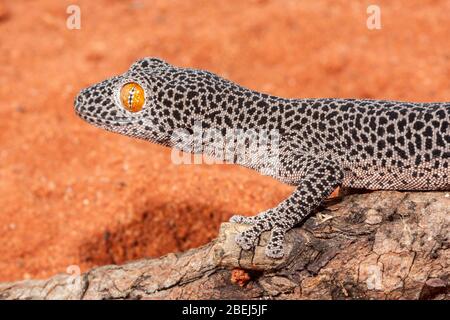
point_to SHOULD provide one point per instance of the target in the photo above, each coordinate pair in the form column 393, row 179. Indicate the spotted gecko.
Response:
column 322, row 143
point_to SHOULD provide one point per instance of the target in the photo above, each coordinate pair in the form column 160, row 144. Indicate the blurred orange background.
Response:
column 71, row 194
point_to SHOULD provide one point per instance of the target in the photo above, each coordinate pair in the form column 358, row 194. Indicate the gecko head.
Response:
column 124, row 103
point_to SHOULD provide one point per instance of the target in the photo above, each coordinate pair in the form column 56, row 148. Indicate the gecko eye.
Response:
column 132, row 97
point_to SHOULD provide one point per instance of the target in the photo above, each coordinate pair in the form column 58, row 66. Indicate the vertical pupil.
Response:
column 132, row 97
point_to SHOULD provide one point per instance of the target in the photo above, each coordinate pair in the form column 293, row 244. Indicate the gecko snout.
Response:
column 78, row 100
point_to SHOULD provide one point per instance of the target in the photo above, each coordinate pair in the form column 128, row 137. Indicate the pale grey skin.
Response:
column 324, row 143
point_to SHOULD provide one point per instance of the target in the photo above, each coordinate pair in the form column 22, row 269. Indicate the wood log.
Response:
column 378, row 245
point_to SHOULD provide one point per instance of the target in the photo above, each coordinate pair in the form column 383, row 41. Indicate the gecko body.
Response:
column 322, row 143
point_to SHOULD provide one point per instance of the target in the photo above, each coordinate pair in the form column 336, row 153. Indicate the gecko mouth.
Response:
column 124, row 120
column 107, row 120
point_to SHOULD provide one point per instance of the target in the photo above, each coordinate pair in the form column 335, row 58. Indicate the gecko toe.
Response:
column 248, row 238
column 252, row 220
column 274, row 253
column 275, row 247
column 242, row 219
column 245, row 241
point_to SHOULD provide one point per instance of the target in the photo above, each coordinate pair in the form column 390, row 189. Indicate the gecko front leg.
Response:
column 319, row 179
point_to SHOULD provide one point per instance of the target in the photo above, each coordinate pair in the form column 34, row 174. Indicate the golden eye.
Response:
column 132, row 97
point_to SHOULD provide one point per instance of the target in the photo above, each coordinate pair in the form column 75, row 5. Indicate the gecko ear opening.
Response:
column 149, row 63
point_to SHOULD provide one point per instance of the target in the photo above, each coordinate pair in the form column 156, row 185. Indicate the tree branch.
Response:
column 377, row 245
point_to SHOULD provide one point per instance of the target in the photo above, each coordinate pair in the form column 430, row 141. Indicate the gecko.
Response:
column 322, row 143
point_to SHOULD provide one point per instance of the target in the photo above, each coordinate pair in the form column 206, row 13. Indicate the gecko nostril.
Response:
column 78, row 101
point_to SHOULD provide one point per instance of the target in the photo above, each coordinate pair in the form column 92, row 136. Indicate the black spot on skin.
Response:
column 390, row 129
column 262, row 121
column 380, row 131
column 192, row 94
column 411, row 149
column 322, row 126
column 427, row 117
column 418, row 159
column 382, row 120
column 228, row 121
column 418, row 125
column 389, row 153
column 372, row 124
column 418, row 141
column 369, row 150
column 167, row 103
column 441, row 114
column 315, row 115
column 381, row 144
column 436, row 153
column 444, row 126
column 364, row 138
column 428, row 132
column 392, row 115
column 401, row 125
column 176, row 114
column 439, row 141
column 435, row 123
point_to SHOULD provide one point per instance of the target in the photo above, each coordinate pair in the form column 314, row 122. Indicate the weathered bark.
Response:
column 381, row 245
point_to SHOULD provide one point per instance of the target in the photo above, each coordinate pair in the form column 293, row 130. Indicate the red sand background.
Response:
column 74, row 194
